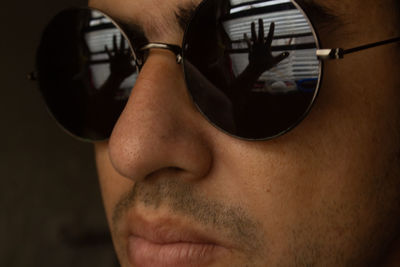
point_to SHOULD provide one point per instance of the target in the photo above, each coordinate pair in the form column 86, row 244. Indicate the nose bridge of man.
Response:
column 159, row 127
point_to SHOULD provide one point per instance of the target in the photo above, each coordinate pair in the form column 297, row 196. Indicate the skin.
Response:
column 324, row 194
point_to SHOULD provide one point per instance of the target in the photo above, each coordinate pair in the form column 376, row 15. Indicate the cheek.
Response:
column 112, row 184
column 313, row 195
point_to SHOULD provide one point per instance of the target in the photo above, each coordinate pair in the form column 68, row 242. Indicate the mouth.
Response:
column 167, row 243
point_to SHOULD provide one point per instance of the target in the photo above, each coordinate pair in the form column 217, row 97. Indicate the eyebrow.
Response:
column 184, row 14
column 321, row 16
column 136, row 32
column 318, row 14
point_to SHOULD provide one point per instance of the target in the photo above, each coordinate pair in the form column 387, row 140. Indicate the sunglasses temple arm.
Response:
column 327, row 54
column 338, row 53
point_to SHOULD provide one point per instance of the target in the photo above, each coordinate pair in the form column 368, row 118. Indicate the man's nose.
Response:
column 160, row 128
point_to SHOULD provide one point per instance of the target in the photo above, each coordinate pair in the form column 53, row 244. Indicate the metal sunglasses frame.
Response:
column 321, row 54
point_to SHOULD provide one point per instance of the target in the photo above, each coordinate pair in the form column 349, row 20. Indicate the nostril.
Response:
column 167, row 171
column 168, row 174
column 175, row 169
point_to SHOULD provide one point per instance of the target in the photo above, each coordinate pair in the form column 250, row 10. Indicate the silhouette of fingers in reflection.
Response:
column 260, row 54
column 107, row 103
column 120, row 60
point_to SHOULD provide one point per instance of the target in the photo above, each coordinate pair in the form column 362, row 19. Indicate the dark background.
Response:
column 50, row 204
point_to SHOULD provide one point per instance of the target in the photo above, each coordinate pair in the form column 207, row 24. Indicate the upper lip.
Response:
column 167, row 230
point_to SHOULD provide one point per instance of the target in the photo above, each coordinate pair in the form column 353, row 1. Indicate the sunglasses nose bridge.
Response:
column 177, row 50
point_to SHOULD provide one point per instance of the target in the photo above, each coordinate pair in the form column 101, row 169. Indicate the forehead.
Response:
column 157, row 18
column 151, row 9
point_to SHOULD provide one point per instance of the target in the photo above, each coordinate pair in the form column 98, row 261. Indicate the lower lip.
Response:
column 143, row 253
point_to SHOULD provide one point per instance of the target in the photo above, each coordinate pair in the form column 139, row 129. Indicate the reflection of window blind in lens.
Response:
column 292, row 34
column 100, row 34
column 239, row 5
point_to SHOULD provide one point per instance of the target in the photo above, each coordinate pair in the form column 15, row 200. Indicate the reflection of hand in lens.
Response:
column 260, row 56
column 120, row 60
column 104, row 107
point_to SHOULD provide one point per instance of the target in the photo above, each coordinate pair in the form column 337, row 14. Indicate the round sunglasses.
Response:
column 253, row 68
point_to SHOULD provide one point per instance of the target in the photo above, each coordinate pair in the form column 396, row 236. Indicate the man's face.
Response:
column 179, row 192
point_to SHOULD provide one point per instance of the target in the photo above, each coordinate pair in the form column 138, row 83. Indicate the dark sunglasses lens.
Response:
column 86, row 71
column 251, row 67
